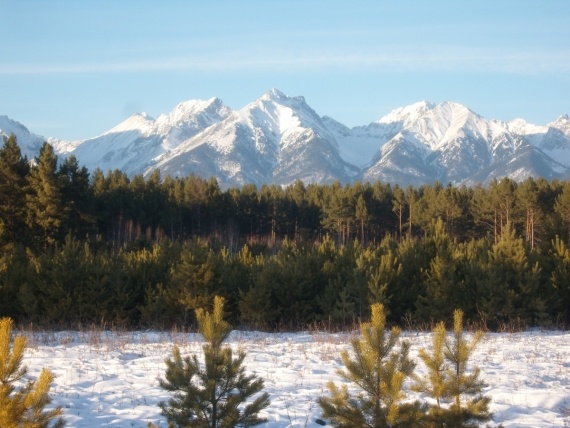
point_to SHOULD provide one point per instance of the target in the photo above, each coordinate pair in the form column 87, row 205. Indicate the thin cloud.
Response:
column 416, row 59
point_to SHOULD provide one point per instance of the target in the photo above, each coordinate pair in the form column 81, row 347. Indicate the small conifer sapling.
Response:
column 456, row 390
column 378, row 371
column 23, row 407
column 214, row 394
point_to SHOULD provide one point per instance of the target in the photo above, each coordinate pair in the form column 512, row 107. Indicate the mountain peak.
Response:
column 6, row 124
column 29, row 143
column 453, row 105
column 136, row 121
column 278, row 139
column 407, row 114
column 274, row 94
column 192, row 107
column 562, row 123
column 279, row 97
column 520, row 126
column 562, row 119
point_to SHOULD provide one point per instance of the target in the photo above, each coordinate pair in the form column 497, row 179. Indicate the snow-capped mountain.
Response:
column 280, row 139
column 555, row 141
column 30, row 144
column 450, row 143
column 138, row 142
column 275, row 139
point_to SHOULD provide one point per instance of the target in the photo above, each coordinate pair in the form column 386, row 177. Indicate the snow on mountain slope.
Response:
column 404, row 116
column 401, row 160
column 30, row 143
column 555, row 142
column 439, row 126
column 522, row 127
column 428, row 140
column 134, row 145
column 562, row 123
column 361, row 143
column 444, row 135
column 450, row 143
column 553, row 139
column 280, row 139
column 528, row 161
column 275, row 139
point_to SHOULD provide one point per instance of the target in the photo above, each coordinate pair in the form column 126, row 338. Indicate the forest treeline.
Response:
column 83, row 247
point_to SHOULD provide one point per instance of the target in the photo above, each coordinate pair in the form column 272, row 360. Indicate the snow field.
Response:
column 110, row 379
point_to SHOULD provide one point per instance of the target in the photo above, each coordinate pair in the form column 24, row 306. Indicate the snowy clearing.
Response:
column 109, row 379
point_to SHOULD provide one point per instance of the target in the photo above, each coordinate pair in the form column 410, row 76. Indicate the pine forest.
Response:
column 86, row 247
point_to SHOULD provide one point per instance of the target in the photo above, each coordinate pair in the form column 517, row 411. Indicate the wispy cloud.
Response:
column 388, row 59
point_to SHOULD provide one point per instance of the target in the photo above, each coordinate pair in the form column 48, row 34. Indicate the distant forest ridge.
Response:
column 81, row 248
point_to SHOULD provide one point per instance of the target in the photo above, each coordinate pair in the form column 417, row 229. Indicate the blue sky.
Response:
column 74, row 69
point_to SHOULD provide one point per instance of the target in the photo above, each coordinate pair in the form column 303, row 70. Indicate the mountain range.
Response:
column 278, row 139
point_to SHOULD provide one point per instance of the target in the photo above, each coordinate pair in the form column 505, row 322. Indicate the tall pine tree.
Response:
column 13, row 172
column 47, row 214
column 76, row 195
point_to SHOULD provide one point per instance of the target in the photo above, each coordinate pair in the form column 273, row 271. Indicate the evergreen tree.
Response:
column 562, row 208
column 527, row 195
column 442, row 283
column 509, row 288
column 113, row 204
column 14, row 270
column 415, row 257
column 338, row 212
column 362, row 216
column 456, row 215
column 560, row 277
column 76, row 195
column 194, row 280
column 23, row 407
column 47, row 215
column 383, row 277
column 13, row 172
column 398, row 205
column 382, row 220
column 144, row 270
column 379, row 372
column 503, row 196
column 449, row 380
column 411, row 199
column 212, row 395
column 235, row 276
column 258, row 306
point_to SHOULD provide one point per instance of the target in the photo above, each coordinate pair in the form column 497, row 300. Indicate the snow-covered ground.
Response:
column 109, row 379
